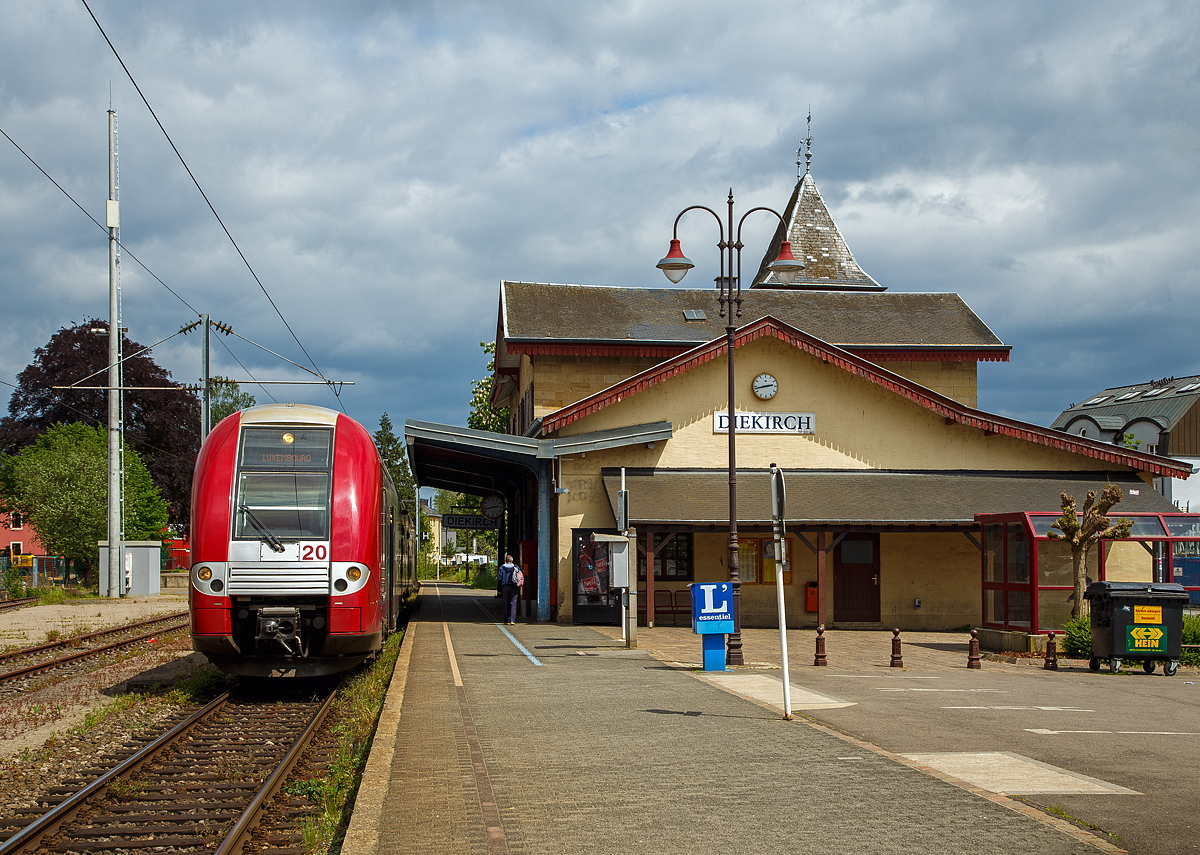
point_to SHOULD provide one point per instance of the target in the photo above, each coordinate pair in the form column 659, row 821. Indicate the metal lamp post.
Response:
column 729, row 297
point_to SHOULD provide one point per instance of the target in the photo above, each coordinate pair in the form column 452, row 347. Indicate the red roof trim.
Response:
column 950, row 409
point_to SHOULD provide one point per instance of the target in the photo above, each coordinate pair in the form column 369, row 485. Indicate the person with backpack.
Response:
column 511, row 579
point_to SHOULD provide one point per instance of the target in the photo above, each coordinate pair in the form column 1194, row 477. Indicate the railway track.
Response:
column 202, row 786
column 16, row 604
column 17, row 667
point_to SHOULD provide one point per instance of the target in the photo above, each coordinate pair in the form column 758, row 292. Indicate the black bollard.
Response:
column 973, row 655
column 1051, row 663
column 897, row 657
column 819, row 659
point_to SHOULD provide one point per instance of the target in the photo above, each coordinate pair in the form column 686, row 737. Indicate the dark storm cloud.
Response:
column 384, row 165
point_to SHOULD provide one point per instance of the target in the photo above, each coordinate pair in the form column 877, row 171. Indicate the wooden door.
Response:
column 856, row 579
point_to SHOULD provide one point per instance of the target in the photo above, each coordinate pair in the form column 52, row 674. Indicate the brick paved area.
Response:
column 599, row 749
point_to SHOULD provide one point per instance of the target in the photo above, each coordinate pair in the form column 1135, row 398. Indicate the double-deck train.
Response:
column 302, row 551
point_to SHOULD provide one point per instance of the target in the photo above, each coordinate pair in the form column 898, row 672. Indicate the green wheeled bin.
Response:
column 1140, row 621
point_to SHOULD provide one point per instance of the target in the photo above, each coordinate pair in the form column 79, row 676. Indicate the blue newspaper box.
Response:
column 712, row 620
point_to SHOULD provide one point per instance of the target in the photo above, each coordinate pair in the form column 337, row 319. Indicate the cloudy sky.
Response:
column 383, row 165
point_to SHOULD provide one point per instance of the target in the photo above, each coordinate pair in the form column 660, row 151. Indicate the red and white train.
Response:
column 302, row 552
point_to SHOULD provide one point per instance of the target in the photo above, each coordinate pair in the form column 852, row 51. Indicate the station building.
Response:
column 907, row 505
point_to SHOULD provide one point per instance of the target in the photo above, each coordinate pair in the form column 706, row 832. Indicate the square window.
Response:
column 673, row 562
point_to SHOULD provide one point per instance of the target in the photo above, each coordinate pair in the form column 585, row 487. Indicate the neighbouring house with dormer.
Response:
column 1160, row 416
column 908, row 506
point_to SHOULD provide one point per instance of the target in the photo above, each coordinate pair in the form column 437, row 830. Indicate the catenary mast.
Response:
column 114, row 371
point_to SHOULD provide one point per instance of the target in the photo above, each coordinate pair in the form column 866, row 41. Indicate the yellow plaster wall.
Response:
column 957, row 380
column 562, row 380
column 858, row 425
column 942, row 569
column 1127, row 561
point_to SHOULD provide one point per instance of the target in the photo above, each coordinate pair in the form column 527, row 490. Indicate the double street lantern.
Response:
column 729, row 297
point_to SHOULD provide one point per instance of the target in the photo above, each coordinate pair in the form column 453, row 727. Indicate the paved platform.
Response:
column 554, row 738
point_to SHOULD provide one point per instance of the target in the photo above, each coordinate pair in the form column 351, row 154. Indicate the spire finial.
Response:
column 808, row 144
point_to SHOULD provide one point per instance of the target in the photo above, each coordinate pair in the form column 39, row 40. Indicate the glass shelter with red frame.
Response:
column 1027, row 576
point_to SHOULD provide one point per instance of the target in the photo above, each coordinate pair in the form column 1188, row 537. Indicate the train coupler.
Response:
column 281, row 624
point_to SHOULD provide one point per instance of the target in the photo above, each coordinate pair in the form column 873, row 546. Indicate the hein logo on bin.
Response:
column 1145, row 639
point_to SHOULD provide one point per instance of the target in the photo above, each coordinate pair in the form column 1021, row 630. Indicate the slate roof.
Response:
column 1166, row 407
column 543, row 312
column 817, row 244
column 863, row 497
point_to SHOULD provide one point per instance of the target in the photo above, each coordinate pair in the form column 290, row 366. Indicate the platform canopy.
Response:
column 482, row 463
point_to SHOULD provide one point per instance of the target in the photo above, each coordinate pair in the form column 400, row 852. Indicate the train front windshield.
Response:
column 283, row 484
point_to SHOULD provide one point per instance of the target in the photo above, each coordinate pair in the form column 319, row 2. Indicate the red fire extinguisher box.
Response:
column 810, row 597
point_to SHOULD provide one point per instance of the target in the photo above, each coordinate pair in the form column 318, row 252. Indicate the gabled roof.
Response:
column 948, row 408
column 1164, row 402
column 533, row 314
column 817, row 244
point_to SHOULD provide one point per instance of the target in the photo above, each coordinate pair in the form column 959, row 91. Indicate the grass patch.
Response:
column 96, row 716
column 484, row 580
column 49, row 596
column 1055, row 810
column 357, row 708
column 199, row 688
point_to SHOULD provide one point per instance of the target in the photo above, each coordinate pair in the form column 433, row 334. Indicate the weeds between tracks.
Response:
column 356, row 712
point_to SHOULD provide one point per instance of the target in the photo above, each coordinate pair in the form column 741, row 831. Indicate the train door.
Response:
column 387, row 583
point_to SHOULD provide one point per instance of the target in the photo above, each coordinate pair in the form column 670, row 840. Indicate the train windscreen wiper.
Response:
column 267, row 536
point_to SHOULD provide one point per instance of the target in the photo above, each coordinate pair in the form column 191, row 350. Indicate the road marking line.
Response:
column 882, row 676
column 511, row 637
column 1041, row 731
column 453, row 661
column 998, row 691
column 1044, row 709
column 497, row 843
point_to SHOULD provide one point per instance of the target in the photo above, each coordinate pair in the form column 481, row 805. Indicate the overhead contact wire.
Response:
column 100, row 226
column 228, row 234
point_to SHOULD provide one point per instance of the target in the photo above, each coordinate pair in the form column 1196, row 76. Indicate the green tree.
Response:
column 60, row 485
column 227, row 398
column 1083, row 534
column 482, row 416
column 395, row 457
column 394, row 454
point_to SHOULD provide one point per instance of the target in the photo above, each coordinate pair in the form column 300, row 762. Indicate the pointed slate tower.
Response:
column 816, row 242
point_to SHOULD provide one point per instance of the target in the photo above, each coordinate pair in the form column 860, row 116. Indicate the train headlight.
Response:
column 340, row 585
column 216, row 585
column 204, row 574
column 353, row 574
